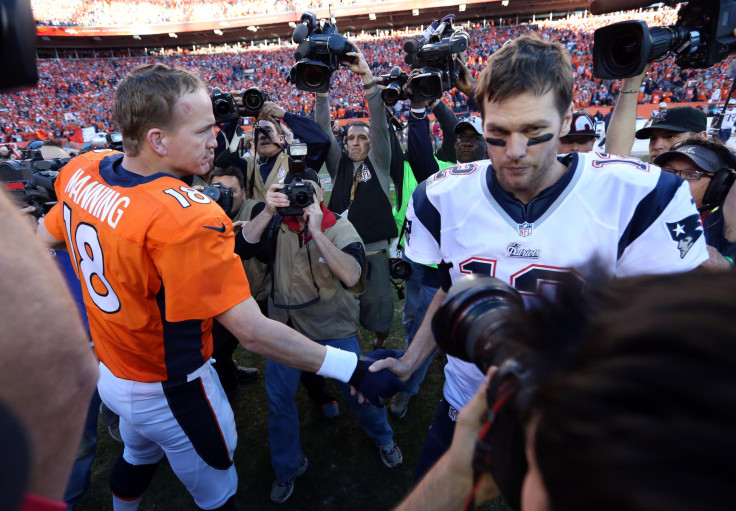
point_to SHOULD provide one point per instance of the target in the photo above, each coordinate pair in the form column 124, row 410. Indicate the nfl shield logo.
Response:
column 525, row 229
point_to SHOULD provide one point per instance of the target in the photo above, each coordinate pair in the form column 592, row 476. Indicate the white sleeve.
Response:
column 422, row 229
column 673, row 242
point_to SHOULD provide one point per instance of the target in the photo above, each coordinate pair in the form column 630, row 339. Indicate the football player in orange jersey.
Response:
column 135, row 231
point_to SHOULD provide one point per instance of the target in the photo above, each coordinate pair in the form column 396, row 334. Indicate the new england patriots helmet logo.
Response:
column 685, row 232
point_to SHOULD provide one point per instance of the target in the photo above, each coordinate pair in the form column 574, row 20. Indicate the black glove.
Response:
column 375, row 386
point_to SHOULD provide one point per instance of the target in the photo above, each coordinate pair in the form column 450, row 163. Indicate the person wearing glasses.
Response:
column 708, row 168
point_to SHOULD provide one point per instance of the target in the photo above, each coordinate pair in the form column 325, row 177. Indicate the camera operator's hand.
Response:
column 313, row 215
column 408, row 88
column 273, row 110
column 448, row 484
column 359, row 65
column 275, row 199
column 465, row 82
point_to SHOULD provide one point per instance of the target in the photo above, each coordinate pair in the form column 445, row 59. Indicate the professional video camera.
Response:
column 223, row 106
column 299, row 193
column 480, row 322
column 221, row 195
column 702, row 37
column 394, row 82
column 31, row 182
column 433, row 54
column 321, row 50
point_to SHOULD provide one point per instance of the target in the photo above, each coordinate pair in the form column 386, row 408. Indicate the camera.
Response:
column 432, row 54
column 394, row 82
column 114, row 140
column 478, row 322
column 253, row 100
column 701, row 38
column 299, row 193
column 400, row 269
column 223, row 106
column 221, row 195
column 320, row 51
column 31, row 182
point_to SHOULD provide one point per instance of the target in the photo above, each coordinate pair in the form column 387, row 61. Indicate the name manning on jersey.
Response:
column 97, row 199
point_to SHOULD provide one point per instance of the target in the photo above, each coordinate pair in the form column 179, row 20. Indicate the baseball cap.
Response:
column 473, row 121
column 4, row 151
column 663, row 105
column 679, row 118
column 582, row 124
column 702, row 157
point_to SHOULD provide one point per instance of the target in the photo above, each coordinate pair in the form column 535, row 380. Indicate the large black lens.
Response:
column 302, row 199
column 427, row 87
column 253, row 100
column 621, row 50
column 222, row 107
column 472, row 323
column 316, row 76
column 391, row 94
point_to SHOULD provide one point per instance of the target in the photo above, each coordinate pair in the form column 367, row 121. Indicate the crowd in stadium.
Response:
column 148, row 12
column 60, row 107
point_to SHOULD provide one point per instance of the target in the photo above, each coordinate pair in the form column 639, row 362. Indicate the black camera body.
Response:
column 253, row 100
column 31, row 182
column 702, row 37
column 299, row 193
column 221, row 195
column 223, row 106
column 320, row 51
column 434, row 59
column 400, row 269
column 394, row 82
column 114, row 140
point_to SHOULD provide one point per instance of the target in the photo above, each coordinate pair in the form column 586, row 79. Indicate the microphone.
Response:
column 300, row 33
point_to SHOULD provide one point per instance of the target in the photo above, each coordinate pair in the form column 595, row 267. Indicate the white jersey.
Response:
column 626, row 214
column 729, row 119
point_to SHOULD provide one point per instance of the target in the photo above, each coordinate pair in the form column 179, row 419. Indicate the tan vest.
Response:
column 335, row 315
column 278, row 172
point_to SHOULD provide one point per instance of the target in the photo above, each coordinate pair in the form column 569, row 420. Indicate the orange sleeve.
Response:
column 54, row 222
column 202, row 277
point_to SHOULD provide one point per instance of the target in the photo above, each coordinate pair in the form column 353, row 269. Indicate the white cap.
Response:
column 472, row 121
column 4, row 151
column 663, row 105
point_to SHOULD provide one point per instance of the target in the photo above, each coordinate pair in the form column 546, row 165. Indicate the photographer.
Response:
column 710, row 170
column 318, row 267
column 532, row 201
column 463, row 143
column 619, row 401
column 360, row 188
column 224, row 343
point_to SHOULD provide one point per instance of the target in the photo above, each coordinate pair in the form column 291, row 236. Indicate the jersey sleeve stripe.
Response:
column 650, row 208
column 425, row 211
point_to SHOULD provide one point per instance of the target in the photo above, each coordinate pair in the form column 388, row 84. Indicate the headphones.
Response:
column 718, row 188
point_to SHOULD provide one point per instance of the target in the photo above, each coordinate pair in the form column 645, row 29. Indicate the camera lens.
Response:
column 473, row 322
column 391, row 94
column 253, row 100
column 212, row 192
column 222, row 107
column 427, row 87
column 316, row 76
column 626, row 49
column 302, row 199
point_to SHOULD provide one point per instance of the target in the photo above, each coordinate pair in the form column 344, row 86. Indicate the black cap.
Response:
column 679, row 118
column 702, row 157
column 308, row 174
column 582, row 124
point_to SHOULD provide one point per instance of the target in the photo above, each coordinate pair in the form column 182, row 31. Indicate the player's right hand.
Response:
column 375, row 385
column 395, row 365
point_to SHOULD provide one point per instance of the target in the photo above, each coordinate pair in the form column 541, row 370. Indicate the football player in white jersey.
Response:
column 533, row 220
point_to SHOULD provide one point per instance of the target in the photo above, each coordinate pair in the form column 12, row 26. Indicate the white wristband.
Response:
column 338, row 364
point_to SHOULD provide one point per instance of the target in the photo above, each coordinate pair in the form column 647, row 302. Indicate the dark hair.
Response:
column 642, row 416
column 359, row 124
column 527, row 64
column 145, row 99
column 228, row 171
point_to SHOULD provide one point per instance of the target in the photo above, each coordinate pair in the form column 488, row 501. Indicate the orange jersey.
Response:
column 156, row 261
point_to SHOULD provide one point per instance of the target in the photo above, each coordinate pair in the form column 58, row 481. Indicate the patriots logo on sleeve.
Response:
column 685, row 232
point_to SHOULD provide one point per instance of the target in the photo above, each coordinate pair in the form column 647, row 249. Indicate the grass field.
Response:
column 345, row 472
